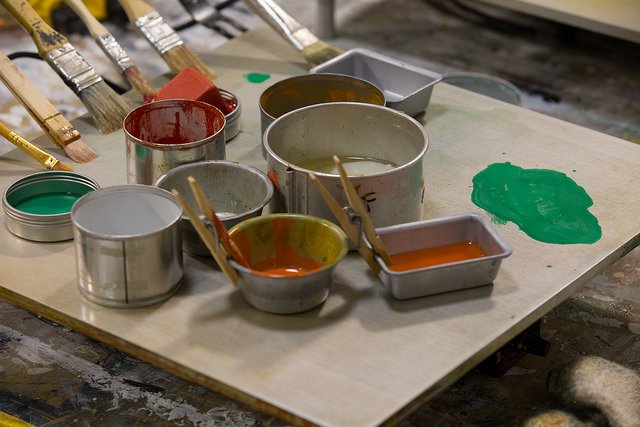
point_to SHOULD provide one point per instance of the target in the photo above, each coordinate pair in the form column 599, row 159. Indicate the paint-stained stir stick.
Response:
column 209, row 240
column 358, row 206
column 210, row 213
column 349, row 228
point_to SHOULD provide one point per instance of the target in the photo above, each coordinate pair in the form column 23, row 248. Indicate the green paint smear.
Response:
column 49, row 203
column 547, row 205
column 256, row 77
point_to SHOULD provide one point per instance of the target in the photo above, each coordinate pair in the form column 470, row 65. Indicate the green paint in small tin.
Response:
column 48, row 203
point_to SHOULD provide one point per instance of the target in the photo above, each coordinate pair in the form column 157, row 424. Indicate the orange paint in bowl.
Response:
column 428, row 257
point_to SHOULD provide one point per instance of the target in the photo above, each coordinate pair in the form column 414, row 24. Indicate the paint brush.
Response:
column 208, row 238
column 163, row 38
column 356, row 203
column 52, row 122
column 210, row 213
column 314, row 50
column 113, row 50
column 45, row 159
column 105, row 106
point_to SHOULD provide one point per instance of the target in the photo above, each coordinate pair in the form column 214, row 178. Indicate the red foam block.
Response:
column 192, row 84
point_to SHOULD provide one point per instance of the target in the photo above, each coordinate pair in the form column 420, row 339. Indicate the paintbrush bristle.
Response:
column 181, row 57
column 106, row 107
column 59, row 166
column 319, row 52
column 139, row 83
column 79, row 151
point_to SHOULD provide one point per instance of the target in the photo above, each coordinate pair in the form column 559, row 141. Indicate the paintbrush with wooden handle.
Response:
column 163, row 38
column 113, row 50
column 45, row 159
column 106, row 107
column 314, row 50
column 52, row 122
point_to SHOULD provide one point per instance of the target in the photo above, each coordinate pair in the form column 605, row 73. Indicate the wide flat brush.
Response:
column 163, row 38
column 113, row 50
column 45, row 159
column 314, row 50
column 105, row 106
column 52, row 122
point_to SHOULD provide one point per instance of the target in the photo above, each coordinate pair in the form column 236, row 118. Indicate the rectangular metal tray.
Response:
column 468, row 227
column 406, row 87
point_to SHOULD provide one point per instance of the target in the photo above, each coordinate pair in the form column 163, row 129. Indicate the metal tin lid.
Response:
column 38, row 207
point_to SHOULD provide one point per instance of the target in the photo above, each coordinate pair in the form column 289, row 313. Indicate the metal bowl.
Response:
column 236, row 191
column 407, row 88
column 284, row 241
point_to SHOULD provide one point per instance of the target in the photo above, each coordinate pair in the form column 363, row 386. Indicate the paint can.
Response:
column 392, row 139
column 161, row 135
column 38, row 207
column 236, row 191
column 128, row 245
column 288, row 242
column 301, row 91
column 232, row 119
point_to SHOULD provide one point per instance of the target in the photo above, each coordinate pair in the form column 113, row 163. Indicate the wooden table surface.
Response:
column 362, row 358
column 616, row 18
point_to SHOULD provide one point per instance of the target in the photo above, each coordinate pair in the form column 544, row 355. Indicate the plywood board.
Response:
column 616, row 18
column 362, row 358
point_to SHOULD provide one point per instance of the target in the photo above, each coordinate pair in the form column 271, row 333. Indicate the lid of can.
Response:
column 38, row 206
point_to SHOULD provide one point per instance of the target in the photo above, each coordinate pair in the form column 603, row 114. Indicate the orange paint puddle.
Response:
column 428, row 257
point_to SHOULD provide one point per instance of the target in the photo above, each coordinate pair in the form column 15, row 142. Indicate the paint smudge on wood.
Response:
column 256, row 77
column 547, row 205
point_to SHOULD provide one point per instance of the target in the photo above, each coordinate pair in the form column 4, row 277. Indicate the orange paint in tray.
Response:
column 428, row 257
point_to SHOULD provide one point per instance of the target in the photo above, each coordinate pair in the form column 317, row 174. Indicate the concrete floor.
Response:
column 578, row 76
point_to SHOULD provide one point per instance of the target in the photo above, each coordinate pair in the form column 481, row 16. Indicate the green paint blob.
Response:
column 547, row 205
column 256, row 77
column 48, row 203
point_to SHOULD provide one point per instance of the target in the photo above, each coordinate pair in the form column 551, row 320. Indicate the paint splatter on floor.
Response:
column 547, row 205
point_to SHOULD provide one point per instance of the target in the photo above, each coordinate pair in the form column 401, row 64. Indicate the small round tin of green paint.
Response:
column 38, row 206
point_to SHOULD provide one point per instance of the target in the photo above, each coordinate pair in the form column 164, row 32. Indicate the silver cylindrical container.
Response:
column 128, row 245
column 232, row 125
column 164, row 134
column 310, row 89
column 374, row 134
column 236, row 191
column 38, row 206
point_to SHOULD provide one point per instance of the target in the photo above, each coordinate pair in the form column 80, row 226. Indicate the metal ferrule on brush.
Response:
column 114, row 51
column 159, row 33
column 72, row 67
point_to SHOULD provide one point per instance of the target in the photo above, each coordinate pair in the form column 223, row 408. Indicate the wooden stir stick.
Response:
column 345, row 222
column 209, row 240
column 210, row 213
column 358, row 206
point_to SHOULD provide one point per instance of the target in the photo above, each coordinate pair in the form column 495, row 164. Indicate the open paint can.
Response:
column 381, row 149
column 128, row 245
column 38, row 206
column 164, row 134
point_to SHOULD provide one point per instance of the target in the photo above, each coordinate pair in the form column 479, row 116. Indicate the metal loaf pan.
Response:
column 406, row 87
column 444, row 277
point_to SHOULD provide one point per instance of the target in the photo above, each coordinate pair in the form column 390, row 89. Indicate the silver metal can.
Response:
column 128, row 245
column 348, row 130
column 164, row 134
column 38, row 206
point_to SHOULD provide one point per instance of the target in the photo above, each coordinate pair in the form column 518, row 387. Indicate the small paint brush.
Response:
column 314, row 50
column 105, row 106
column 52, row 122
column 45, row 159
column 113, row 50
column 163, row 38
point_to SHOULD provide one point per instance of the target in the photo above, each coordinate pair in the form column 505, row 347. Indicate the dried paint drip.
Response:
column 428, row 257
column 256, row 77
column 547, row 205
